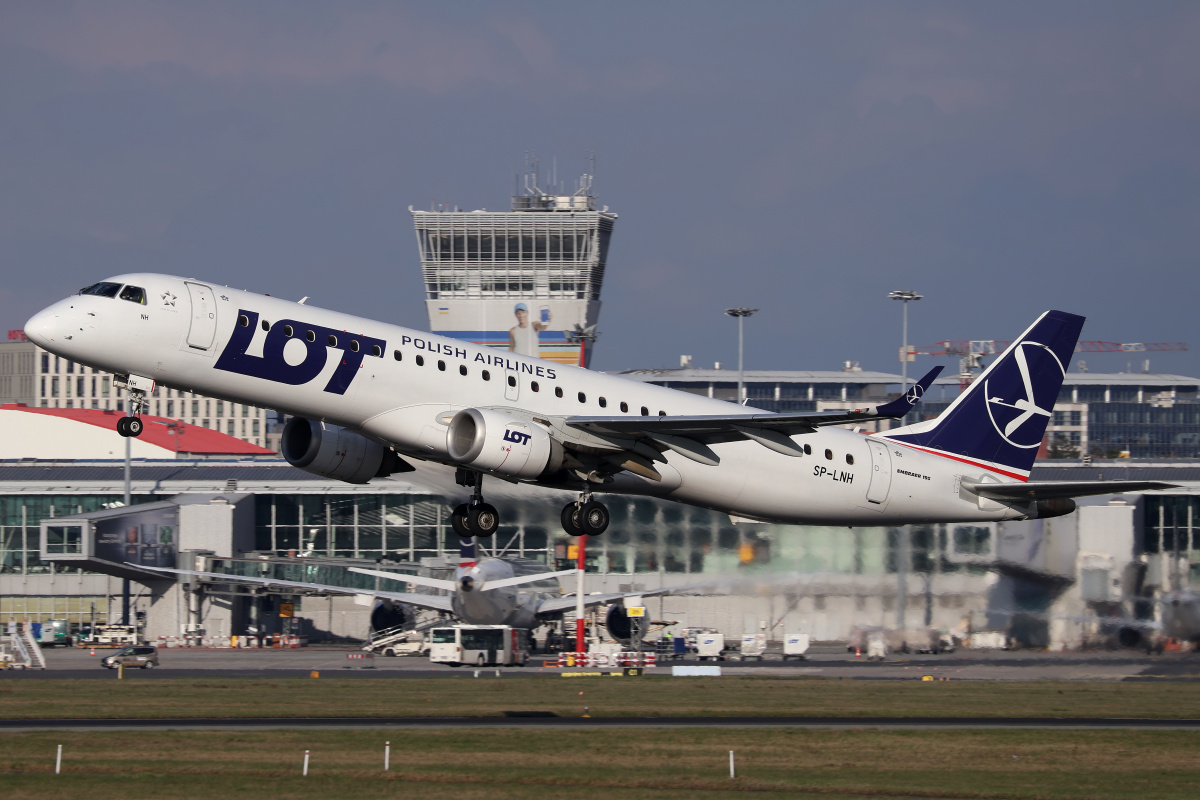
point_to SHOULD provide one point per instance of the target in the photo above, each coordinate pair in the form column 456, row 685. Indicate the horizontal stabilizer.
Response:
column 432, row 583
column 1051, row 490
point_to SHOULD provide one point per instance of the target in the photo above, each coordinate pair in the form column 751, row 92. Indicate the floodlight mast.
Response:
column 905, row 296
column 741, row 313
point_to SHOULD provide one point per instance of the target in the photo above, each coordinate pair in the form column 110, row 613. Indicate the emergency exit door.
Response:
column 881, row 471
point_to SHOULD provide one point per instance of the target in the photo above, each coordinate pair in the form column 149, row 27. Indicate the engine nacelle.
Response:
column 335, row 452
column 616, row 621
column 495, row 442
column 1055, row 507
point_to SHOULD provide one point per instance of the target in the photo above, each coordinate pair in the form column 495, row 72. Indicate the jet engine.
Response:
column 334, row 452
column 616, row 621
column 491, row 441
column 1054, row 507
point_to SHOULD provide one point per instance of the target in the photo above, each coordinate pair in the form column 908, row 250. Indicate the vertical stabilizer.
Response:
column 999, row 422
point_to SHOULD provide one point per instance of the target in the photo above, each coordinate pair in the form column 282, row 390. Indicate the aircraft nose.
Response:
column 41, row 327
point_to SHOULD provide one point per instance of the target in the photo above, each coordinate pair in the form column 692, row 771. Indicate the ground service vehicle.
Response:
column 142, row 656
column 479, row 645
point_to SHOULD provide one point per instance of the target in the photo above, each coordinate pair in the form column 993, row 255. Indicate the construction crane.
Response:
column 972, row 351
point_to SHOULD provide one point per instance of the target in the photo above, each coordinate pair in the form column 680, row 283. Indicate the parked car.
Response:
column 138, row 656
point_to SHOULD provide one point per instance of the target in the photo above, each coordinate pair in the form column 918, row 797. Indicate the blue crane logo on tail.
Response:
column 1011, row 417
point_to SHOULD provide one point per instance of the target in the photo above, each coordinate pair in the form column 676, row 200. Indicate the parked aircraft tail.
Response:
column 999, row 422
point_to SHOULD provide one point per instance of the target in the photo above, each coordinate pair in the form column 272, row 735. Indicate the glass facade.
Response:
column 1144, row 430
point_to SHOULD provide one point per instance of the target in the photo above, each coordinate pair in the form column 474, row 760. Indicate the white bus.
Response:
column 479, row 645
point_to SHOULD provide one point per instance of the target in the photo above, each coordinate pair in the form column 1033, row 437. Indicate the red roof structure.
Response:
column 170, row 434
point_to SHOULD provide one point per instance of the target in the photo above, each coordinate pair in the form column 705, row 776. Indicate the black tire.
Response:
column 458, row 521
column 483, row 519
column 390, row 653
column 593, row 518
column 570, row 519
column 148, row 665
column 121, row 429
column 134, row 426
column 481, row 661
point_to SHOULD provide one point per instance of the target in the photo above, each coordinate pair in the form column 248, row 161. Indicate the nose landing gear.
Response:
column 132, row 425
column 474, row 518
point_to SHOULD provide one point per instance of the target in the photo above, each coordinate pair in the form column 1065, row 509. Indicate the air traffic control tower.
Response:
column 526, row 280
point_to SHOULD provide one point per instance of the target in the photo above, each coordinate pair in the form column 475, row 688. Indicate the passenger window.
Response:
column 624, row 407
column 534, row 385
column 462, row 369
column 312, row 337
column 332, row 340
column 662, row 413
column 134, row 294
column 645, row 411
column 377, row 351
column 487, row 376
column 396, row 355
column 849, row 458
column 582, row 397
column 353, row 345
column 829, row 455
column 808, row 449
column 244, row 321
column 441, row 365
column 512, row 381
column 603, row 403
column 558, row 391
column 287, row 331
column 420, row 361
column 266, row 326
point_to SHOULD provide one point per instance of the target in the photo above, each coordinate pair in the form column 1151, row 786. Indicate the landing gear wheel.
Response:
column 133, row 425
column 570, row 519
column 482, row 519
column 593, row 518
column 121, row 429
column 458, row 521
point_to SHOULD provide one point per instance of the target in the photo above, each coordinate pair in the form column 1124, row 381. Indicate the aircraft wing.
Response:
column 554, row 605
column 430, row 601
column 682, row 434
column 1050, row 490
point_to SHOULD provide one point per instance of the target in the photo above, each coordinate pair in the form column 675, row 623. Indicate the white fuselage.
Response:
column 406, row 396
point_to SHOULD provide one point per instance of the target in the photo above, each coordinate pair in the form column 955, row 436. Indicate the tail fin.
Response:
column 466, row 552
column 999, row 422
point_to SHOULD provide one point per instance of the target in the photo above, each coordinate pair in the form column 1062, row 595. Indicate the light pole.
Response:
column 741, row 314
column 904, row 541
column 905, row 296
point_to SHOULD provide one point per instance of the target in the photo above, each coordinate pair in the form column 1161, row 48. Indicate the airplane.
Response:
column 518, row 592
column 367, row 397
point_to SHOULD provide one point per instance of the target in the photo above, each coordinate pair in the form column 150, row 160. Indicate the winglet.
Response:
column 902, row 405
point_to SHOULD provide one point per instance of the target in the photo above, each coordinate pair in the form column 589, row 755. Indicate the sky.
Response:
column 801, row 158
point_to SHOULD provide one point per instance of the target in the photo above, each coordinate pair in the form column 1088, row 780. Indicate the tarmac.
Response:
column 823, row 661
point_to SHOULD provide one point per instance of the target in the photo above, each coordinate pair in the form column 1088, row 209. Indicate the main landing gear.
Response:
column 585, row 517
column 474, row 518
column 132, row 425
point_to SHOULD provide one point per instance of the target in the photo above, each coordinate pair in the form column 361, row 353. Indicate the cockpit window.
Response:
column 134, row 294
column 103, row 289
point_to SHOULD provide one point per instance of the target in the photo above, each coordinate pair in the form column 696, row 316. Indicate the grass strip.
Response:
column 1000, row 765
column 649, row 696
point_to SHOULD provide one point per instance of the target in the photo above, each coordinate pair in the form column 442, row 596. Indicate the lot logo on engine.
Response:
column 318, row 342
column 516, row 436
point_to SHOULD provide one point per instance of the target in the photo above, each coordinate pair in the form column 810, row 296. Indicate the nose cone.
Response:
column 40, row 329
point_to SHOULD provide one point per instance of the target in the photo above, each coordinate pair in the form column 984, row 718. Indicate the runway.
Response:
column 518, row 721
column 825, row 661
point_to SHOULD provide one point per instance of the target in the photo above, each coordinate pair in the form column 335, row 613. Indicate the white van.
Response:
column 479, row 645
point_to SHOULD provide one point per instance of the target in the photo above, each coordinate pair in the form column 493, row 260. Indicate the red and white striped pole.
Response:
column 579, row 567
